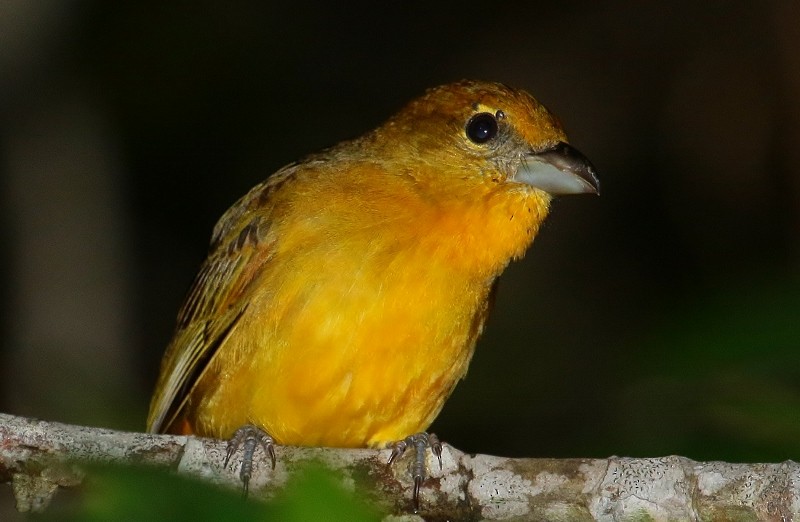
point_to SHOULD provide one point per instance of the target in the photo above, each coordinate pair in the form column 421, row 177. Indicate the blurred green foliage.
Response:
column 718, row 379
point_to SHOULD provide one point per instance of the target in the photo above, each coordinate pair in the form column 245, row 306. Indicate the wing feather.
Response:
column 241, row 246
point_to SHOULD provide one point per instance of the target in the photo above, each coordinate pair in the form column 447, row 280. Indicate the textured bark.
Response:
column 37, row 458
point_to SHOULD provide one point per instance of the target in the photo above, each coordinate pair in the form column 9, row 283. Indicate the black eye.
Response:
column 482, row 127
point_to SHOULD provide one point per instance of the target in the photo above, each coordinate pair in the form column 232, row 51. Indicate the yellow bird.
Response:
column 342, row 298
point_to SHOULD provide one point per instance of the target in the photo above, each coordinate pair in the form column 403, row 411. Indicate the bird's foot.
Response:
column 419, row 471
column 249, row 437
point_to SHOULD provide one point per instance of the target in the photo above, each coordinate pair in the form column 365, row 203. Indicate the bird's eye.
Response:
column 481, row 128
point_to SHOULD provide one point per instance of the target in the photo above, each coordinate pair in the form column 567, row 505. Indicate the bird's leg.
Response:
column 420, row 442
column 249, row 437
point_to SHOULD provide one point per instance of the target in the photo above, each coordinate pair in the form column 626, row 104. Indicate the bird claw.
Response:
column 419, row 441
column 249, row 437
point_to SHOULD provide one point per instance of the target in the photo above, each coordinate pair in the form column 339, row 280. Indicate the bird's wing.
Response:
column 240, row 247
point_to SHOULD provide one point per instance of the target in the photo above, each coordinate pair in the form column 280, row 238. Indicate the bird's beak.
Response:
column 559, row 170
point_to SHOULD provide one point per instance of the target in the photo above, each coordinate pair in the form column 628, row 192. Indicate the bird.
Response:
column 343, row 296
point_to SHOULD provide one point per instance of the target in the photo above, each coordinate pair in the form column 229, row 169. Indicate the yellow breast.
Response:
column 360, row 328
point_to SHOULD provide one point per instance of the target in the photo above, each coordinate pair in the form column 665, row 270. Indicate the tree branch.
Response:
column 37, row 458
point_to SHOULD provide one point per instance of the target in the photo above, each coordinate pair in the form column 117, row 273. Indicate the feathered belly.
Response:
column 352, row 368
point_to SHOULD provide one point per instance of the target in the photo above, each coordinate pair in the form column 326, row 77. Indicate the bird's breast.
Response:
column 367, row 315
column 367, row 355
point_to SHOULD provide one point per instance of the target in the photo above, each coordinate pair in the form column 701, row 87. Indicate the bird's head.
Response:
column 501, row 134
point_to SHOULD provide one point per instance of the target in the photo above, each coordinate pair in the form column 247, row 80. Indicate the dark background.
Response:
column 660, row 318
